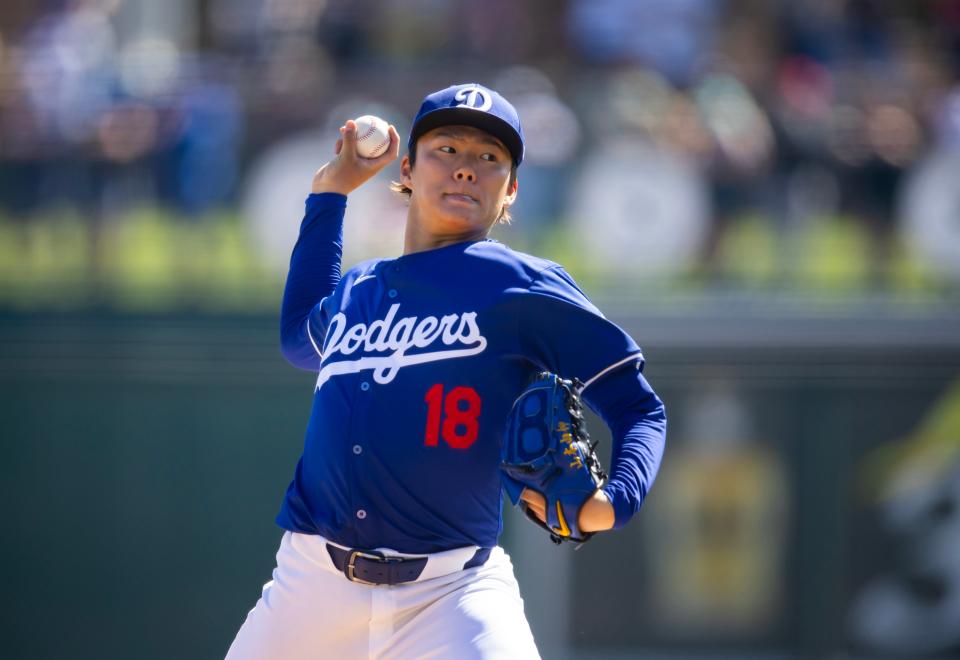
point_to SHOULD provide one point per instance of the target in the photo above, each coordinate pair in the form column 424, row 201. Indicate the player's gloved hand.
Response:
column 348, row 171
column 548, row 464
column 596, row 514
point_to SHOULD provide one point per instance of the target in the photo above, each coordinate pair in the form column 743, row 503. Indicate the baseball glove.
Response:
column 546, row 448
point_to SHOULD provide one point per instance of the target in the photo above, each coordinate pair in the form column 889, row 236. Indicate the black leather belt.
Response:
column 371, row 567
column 367, row 567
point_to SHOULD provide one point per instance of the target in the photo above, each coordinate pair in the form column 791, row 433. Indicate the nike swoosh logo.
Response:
column 363, row 278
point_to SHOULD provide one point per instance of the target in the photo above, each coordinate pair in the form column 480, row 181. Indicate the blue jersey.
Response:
column 418, row 361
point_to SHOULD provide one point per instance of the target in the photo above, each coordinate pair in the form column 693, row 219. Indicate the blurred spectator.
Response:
column 553, row 139
column 792, row 115
column 670, row 36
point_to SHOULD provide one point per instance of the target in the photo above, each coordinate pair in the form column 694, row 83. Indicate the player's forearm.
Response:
column 636, row 460
column 314, row 274
column 637, row 420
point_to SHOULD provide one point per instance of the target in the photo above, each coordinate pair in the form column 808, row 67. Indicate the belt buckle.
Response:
column 351, row 567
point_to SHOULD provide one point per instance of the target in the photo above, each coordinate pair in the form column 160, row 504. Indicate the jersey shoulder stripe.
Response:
column 634, row 357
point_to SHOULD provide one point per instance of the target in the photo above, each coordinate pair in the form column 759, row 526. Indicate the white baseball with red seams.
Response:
column 373, row 137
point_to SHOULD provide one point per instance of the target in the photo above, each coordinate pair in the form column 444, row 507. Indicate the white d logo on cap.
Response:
column 473, row 97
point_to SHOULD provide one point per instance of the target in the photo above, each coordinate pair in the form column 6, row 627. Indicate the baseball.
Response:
column 373, row 139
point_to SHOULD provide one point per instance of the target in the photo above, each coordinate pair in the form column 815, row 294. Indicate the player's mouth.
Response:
column 460, row 198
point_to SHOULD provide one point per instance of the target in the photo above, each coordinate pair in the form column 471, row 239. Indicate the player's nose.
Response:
column 465, row 174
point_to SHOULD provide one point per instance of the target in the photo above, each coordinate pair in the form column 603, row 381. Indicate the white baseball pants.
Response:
column 310, row 610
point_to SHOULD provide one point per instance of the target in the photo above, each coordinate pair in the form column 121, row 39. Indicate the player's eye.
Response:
column 448, row 149
column 491, row 157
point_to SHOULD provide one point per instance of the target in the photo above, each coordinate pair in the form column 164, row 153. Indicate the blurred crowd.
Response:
column 664, row 120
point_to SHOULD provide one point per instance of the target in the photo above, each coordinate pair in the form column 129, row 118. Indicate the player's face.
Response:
column 460, row 181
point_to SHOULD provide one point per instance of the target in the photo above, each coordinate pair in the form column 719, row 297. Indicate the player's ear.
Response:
column 512, row 189
column 405, row 169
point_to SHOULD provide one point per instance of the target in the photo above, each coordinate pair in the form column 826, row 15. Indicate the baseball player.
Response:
column 394, row 512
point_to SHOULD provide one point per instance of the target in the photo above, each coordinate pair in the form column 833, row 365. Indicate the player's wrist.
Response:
column 321, row 188
column 326, row 182
column 597, row 514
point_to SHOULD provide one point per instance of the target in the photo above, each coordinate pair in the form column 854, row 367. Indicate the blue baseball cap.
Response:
column 470, row 105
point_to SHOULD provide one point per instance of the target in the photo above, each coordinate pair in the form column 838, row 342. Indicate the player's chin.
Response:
column 466, row 221
column 461, row 209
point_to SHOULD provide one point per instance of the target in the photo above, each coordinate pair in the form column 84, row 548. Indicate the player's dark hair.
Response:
column 398, row 187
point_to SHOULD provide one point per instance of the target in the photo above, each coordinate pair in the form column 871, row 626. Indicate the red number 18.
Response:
column 459, row 428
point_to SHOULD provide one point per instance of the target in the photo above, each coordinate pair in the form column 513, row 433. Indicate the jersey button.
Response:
column 392, row 293
column 357, row 449
column 364, row 386
column 361, row 514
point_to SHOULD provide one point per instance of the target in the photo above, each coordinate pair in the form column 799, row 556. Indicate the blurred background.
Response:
column 766, row 194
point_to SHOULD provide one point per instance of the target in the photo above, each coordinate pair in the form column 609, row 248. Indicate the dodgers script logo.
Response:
column 474, row 97
column 451, row 336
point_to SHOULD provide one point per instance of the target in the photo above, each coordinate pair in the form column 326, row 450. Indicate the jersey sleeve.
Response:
column 561, row 331
column 313, row 277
